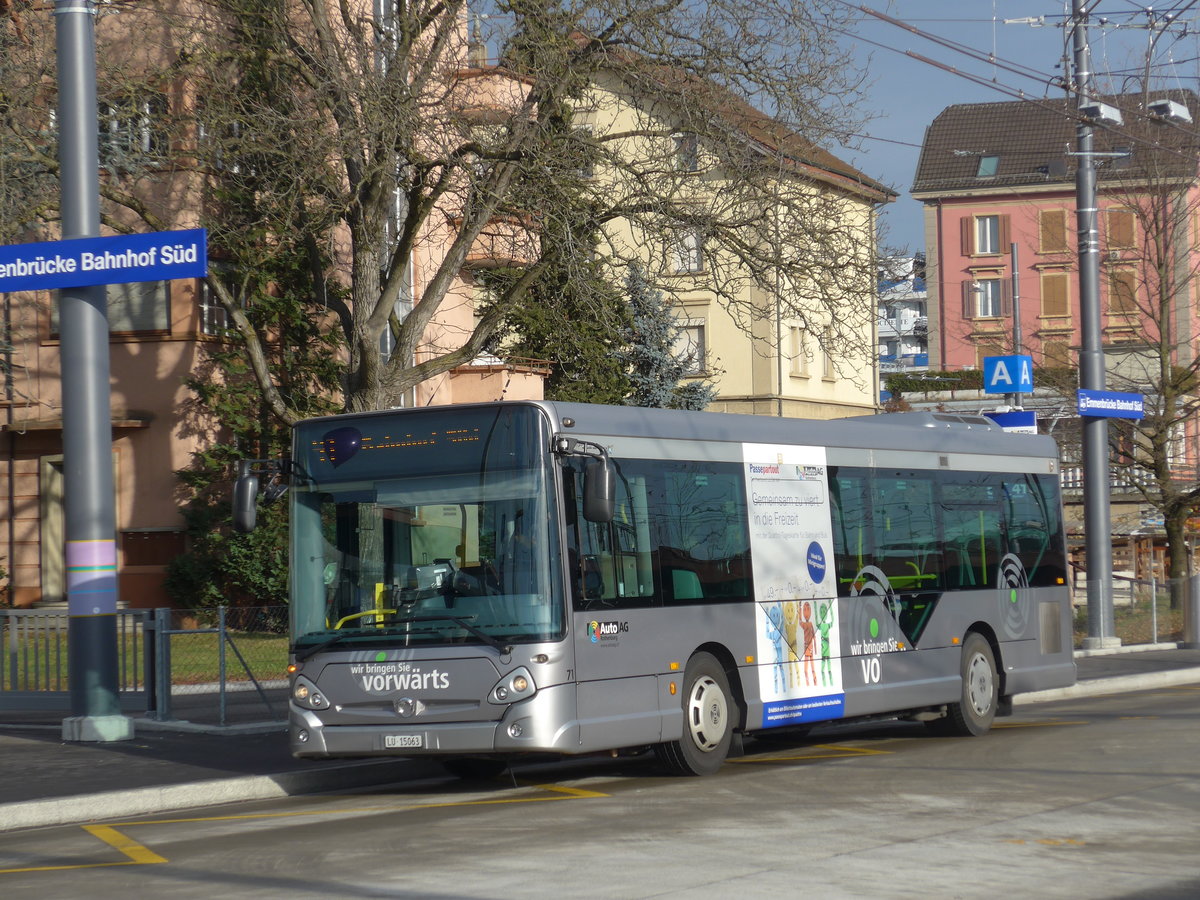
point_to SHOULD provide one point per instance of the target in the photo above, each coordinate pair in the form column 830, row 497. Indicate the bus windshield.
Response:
column 433, row 530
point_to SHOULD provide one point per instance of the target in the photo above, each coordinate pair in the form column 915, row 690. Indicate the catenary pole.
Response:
column 1096, row 514
column 90, row 518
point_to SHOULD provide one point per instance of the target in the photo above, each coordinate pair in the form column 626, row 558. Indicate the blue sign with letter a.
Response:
column 1008, row 374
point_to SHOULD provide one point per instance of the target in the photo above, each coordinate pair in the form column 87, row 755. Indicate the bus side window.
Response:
column 905, row 526
column 853, row 539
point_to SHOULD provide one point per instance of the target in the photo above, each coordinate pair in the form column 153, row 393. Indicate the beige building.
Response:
column 774, row 284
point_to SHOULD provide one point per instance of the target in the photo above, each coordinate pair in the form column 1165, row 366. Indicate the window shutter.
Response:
column 968, row 299
column 1053, row 237
column 967, row 234
column 1005, row 233
column 1006, row 297
column 1054, row 294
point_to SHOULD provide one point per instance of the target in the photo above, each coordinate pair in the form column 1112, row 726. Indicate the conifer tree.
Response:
column 656, row 367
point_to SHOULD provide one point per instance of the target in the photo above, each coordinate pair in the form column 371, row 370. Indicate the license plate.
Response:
column 392, row 741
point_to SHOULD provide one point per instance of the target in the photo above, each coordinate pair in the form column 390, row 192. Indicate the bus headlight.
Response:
column 516, row 685
column 306, row 694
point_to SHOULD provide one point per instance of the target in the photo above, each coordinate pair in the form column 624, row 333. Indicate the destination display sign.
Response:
column 123, row 259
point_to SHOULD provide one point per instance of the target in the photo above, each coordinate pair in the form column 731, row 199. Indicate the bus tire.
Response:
column 709, row 713
column 973, row 715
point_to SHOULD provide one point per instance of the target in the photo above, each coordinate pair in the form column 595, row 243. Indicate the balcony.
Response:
column 503, row 243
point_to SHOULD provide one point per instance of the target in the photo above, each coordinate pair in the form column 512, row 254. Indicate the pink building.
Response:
column 992, row 175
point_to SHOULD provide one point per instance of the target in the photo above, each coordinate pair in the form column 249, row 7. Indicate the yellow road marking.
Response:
column 136, row 852
column 141, row 855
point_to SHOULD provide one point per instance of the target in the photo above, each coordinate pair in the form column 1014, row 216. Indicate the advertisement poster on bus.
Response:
column 791, row 549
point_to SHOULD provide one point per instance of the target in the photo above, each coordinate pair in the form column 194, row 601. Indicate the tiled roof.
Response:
column 1031, row 142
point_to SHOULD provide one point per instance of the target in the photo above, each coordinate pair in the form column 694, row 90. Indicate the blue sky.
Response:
column 906, row 94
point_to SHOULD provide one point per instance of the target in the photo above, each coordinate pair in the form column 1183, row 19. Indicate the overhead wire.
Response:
column 1014, row 68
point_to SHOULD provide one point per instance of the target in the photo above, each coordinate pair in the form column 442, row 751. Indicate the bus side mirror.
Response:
column 245, row 503
column 599, row 491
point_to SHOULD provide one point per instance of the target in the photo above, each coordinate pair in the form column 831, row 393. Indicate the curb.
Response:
column 1121, row 684
column 86, row 808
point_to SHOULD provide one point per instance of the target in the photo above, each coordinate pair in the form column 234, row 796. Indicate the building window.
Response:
column 139, row 307
column 984, row 235
column 987, row 234
column 982, row 351
column 687, row 254
column 988, row 166
column 1056, row 354
column 690, row 347
column 132, row 132
column 213, row 318
column 1052, row 231
column 985, row 297
column 1122, row 291
column 828, row 370
column 1055, row 294
column 584, row 149
column 1121, row 230
column 687, row 152
column 798, row 351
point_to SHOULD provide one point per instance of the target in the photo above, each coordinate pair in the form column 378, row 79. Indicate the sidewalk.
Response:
column 180, row 765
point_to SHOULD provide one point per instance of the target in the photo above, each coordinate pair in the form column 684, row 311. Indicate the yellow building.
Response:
column 764, row 243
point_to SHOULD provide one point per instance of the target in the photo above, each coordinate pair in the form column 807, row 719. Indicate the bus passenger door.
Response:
column 612, row 589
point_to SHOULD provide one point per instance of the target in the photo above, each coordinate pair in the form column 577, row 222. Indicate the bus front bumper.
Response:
column 525, row 727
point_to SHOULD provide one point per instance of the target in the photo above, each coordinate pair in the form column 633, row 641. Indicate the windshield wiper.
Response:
column 303, row 653
column 463, row 623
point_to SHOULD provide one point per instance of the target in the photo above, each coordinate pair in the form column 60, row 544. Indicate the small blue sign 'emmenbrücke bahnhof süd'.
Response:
column 157, row 256
column 1111, row 404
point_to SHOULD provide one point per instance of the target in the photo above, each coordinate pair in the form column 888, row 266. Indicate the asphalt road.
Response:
column 1096, row 797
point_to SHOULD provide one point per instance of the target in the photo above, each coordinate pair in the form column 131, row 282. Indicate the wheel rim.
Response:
column 979, row 684
column 707, row 714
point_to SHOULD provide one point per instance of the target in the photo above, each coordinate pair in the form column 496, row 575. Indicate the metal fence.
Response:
column 34, row 659
column 215, row 665
column 1146, row 610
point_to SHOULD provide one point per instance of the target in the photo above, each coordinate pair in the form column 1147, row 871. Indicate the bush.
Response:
column 225, row 567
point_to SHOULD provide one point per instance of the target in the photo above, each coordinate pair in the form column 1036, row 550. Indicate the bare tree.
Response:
column 379, row 154
column 1151, row 274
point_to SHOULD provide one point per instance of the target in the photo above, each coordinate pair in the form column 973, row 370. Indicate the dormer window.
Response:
column 988, row 166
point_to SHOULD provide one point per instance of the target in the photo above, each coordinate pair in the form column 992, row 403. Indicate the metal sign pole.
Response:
column 91, row 549
column 1096, row 514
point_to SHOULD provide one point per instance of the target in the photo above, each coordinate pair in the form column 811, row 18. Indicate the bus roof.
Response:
column 897, row 431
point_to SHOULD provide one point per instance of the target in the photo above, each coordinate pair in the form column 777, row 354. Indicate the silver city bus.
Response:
column 480, row 581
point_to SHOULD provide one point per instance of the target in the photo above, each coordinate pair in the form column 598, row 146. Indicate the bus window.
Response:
column 611, row 561
column 701, row 534
column 853, row 538
column 971, row 522
column 1033, row 529
column 908, row 550
column 679, row 535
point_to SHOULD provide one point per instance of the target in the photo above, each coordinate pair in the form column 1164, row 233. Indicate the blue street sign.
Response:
column 157, row 256
column 1017, row 421
column 1111, row 404
column 1008, row 374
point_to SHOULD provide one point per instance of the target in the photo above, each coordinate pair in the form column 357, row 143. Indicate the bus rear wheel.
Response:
column 709, row 712
column 973, row 714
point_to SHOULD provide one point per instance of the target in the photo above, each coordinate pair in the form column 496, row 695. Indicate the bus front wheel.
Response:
column 709, row 712
column 973, row 714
